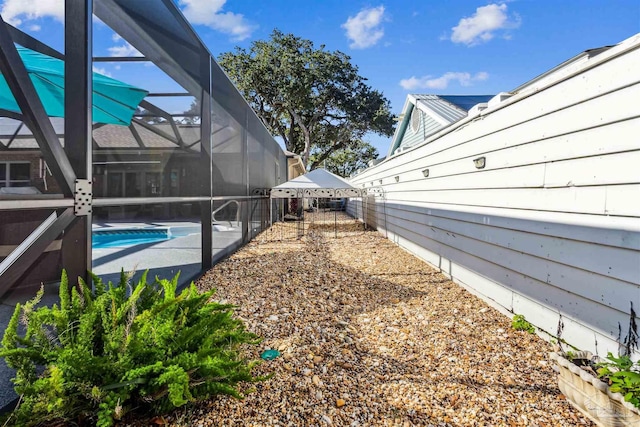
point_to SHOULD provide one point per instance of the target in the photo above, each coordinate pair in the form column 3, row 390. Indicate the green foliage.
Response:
column 347, row 161
column 106, row 351
column 519, row 323
column 312, row 98
column 623, row 377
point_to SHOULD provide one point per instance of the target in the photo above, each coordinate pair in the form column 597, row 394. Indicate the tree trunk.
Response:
column 307, row 137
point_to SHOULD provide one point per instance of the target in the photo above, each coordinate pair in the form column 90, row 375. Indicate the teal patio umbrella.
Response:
column 114, row 102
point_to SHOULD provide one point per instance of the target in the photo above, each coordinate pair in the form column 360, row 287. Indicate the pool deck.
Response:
column 166, row 258
column 163, row 259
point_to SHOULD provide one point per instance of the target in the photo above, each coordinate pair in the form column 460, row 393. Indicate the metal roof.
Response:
column 466, row 102
column 442, row 108
column 450, row 107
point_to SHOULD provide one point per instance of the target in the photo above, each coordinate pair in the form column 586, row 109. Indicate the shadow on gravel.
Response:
column 338, row 329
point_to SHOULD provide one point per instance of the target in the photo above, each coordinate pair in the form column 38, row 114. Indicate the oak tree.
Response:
column 312, row 98
column 348, row 161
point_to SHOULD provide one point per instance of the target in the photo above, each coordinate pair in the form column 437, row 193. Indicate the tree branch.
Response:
column 326, row 154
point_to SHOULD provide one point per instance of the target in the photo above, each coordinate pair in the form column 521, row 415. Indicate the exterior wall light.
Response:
column 380, row 182
column 480, row 162
column 425, row 173
column 397, row 178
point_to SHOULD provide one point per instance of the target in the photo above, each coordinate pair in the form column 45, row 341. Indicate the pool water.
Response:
column 122, row 238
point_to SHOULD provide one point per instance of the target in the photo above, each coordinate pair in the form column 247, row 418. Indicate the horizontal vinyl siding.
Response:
column 427, row 126
column 510, row 232
column 410, row 137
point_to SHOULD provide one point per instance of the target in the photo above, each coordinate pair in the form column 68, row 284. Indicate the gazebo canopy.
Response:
column 317, row 183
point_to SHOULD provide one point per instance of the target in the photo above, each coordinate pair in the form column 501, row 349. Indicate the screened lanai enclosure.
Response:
column 98, row 174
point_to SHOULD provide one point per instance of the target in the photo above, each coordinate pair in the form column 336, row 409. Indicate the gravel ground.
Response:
column 372, row 336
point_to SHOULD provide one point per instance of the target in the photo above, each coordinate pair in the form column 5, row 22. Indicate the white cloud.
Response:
column 209, row 13
column 34, row 27
column 442, row 82
column 481, row 76
column 365, row 30
column 124, row 49
column 15, row 12
column 482, row 25
column 102, row 71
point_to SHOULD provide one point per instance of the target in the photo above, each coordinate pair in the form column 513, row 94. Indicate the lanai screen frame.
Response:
column 161, row 33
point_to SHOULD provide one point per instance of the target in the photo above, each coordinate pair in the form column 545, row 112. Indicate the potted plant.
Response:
column 600, row 396
column 605, row 390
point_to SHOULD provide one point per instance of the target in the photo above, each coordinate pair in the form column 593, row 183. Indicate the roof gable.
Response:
column 436, row 113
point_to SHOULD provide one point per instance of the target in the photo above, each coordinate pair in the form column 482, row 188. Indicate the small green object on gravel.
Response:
column 270, row 354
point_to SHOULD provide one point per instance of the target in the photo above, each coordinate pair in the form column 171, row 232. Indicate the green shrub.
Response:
column 623, row 377
column 519, row 323
column 103, row 352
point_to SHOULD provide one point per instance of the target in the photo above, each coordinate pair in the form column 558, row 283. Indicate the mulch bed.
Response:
column 371, row 335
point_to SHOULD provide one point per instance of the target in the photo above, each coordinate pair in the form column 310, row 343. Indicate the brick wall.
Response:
column 33, row 157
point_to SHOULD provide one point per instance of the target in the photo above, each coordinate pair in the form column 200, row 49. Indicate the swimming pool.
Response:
column 122, row 238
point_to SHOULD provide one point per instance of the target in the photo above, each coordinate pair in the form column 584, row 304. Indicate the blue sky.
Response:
column 401, row 47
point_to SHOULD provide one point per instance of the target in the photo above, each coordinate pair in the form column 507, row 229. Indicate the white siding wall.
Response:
column 551, row 225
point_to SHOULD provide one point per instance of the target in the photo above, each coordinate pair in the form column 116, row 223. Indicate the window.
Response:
column 415, row 120
column 15, row 174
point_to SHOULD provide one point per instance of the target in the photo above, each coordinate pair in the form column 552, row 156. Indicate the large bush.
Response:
column 106, row 351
